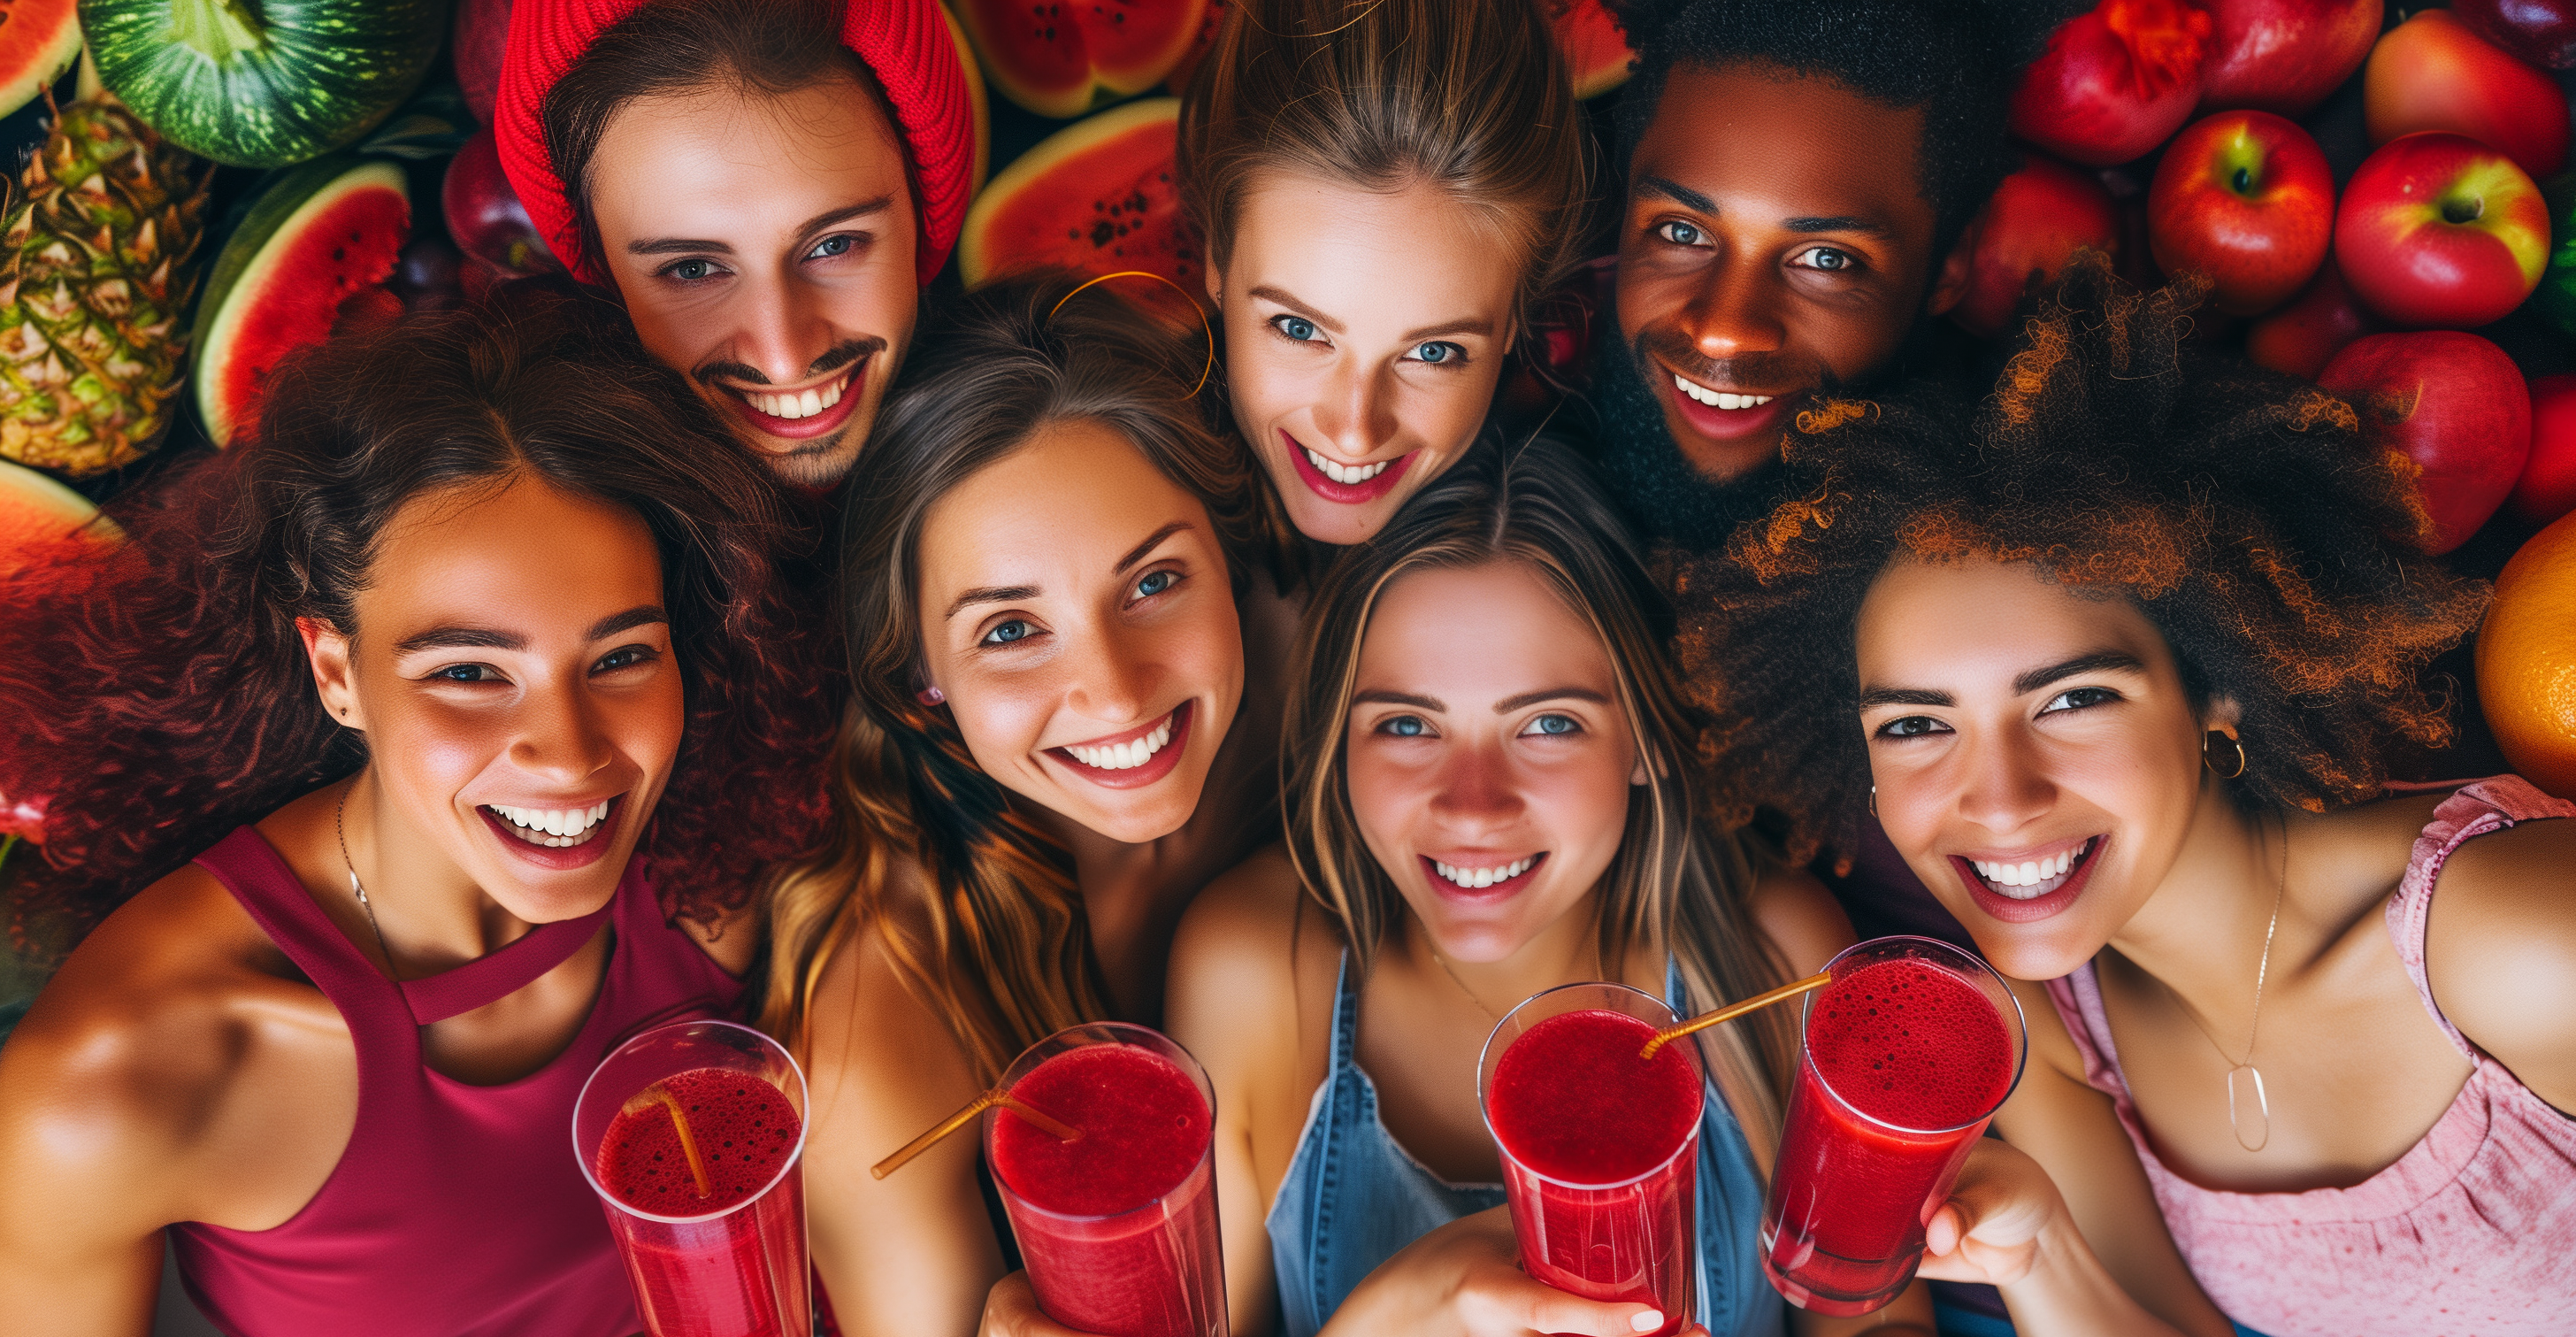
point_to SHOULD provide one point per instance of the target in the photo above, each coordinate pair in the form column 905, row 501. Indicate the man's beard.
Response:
column 1665, row 496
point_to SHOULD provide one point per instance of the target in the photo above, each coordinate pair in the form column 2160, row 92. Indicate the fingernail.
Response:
column 1647, row 1321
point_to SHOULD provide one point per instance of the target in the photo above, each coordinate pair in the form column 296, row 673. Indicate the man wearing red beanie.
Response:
column 765, row 184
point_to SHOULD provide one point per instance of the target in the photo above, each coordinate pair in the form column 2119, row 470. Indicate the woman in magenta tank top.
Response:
column 2116, row 654
column 355, row 752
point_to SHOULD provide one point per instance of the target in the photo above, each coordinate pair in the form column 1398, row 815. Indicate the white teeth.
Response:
column 1483, row 877
column 2033, row 877
column 562, row 827
column 1125, row 756
column 831, row 395
column 1358, row 473
column 1719, row 398
column 809, row 403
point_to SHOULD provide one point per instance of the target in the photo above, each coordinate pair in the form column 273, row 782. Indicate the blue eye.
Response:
column 1438, row 351
column 1405, row 726
column 1008, row 632
column 1679, row 233
column 1295, row 327
column 1155, row 582
column 1831, row 260
column 1553, row 725
column 690, row 271
column 833, row 245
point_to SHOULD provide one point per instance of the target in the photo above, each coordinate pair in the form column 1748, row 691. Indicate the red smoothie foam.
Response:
column 1911, row 1044
column 1144, row 1127
column 744, row 1127
column 1572, row 1100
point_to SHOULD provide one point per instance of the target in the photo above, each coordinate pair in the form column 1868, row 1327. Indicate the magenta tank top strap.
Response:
column 258, row 877
column 498, row 975
column 2486, row 805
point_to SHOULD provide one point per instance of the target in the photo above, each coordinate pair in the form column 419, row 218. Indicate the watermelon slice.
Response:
column 975, row 99
column 1199, row 46
column 39, row 39
column 37, row 513
column 324, row 232
column 1095, row 197
column 1596, row 50
column 1061, row 58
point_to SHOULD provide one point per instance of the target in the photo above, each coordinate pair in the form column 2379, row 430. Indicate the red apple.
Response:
column 2451, row 402
column 2245, row 198
column 2036, row 219
column 484, row 215
column 2114, row 81
column 2284, row 55
column 2432, row 73
column 2437, row 229
column 2547, row 488
column 2540, row 31
column 2304, row 336
column 482, row 34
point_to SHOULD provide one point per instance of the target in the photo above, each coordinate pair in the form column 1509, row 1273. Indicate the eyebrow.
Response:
column 1839, row 223
column 2030, row 680
column 1144, row 549
column 487, row 638
column 1377, row 698
column 842, row 214
column 989, row 594
column 1280, row 296
column 1511, row 703
column 1676, row 192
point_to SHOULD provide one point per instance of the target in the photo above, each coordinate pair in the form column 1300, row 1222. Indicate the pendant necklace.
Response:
column 339, row 827
column 2245, row 1094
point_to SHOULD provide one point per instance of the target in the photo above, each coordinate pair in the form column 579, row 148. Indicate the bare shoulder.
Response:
column 1252, row 953
column 2500, row 949
column 1801, row 919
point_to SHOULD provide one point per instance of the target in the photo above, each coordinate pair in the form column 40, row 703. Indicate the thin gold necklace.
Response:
column 339, row 827
column 1442, row 962
column 2261, row 1102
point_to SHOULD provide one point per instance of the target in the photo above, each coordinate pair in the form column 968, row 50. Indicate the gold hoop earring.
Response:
column 2209, row 753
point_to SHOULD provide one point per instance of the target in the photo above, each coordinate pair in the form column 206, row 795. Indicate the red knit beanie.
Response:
column 906, row 43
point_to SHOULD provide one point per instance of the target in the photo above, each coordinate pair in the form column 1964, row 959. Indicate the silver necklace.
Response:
column 2238, row 1101
column 339, row 827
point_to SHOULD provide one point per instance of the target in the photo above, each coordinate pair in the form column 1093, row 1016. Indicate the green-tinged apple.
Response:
column 2243, row 197
column 2038, row 218
column 2438, row 231
column 2432, row 73
column 2451, row 402
column 2304, row 336
column 2284, row 56
column 2547, row 488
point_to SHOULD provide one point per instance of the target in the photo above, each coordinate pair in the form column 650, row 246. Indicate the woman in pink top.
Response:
column 2123, row 645
column 406, row 679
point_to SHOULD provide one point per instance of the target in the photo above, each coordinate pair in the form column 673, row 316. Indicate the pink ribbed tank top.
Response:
column 2471, row 1233
column 456, row 1209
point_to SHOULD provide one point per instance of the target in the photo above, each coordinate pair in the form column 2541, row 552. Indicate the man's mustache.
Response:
column 1674, row 349
column 840, row 355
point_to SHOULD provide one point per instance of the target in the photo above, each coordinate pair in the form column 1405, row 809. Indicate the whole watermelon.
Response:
column 262, row 83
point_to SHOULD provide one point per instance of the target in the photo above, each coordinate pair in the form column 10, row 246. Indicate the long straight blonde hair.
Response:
column 1680, row 879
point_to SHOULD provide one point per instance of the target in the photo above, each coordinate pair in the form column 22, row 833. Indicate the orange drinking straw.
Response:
column 1063, row 1131
column 1733, row 1010
column 657, row 1094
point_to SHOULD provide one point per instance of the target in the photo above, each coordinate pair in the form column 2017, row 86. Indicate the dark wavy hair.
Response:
column 2240, row 509
column 159, row 695
column 1002, row 949
column 1680, row 878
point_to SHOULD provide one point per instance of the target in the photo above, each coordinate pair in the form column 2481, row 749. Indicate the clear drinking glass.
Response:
column 1843, row 1230
column 739, row 1271
column 1150, row 1270
column 1634, row 1240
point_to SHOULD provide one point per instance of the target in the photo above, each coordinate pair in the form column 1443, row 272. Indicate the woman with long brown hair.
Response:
column 1386, row 190
column 1046, row 757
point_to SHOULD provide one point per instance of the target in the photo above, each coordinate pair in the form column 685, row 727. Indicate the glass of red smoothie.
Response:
column 1119, row 1225
column 722, row 1256
column 1600, row 1147
column 1907, row 1055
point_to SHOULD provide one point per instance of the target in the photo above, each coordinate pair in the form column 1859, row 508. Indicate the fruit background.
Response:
column 2379, row 193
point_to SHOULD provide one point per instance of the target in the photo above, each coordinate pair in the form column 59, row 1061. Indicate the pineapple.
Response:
column 98, row 264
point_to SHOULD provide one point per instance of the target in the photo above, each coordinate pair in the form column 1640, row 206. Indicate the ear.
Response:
column 2222, row 716
column 334, row 680
column 1214, row 277
column 1950, row 285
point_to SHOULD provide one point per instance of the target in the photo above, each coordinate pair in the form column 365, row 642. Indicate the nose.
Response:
column 784, row 331
column 560, row 739
column 1735, row 310
column 2004, row 786
column 1356, row 413
column 1475, row 794
column 1114, row 679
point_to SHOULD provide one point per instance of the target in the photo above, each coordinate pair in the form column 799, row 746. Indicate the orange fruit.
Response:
column 2527, row 660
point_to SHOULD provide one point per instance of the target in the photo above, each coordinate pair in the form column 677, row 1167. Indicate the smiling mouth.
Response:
column 1128, row 755
column 1718, row 399
column 553, row 828
column 2031, row 879
column 1485, row 877
column 799, row 413
column 1132, row 759
column 1348, row 484
column 1348, row 477
column 791, row 404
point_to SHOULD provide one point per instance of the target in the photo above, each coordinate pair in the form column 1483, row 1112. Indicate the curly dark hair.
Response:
column 159, row 696
column 2240, row 509
column 1956, row 59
